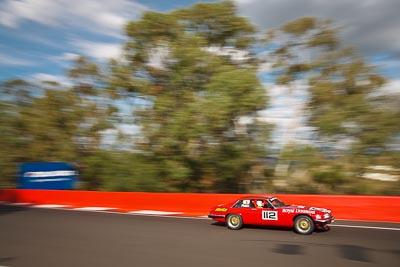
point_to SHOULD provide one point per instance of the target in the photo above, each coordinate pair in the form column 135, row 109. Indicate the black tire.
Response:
column 234, row 221
column 304, row 225
column 323, row 228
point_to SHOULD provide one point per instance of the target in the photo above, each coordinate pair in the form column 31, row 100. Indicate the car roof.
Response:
column 265, row 197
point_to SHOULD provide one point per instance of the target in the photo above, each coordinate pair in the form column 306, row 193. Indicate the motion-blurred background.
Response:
column 246, row 96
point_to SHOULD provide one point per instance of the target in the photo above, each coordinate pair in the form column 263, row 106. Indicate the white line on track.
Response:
column 162, row 214
column 155, row 212
column 365, row 227
column 94, row 209
column 50, row 206
column 165, row 216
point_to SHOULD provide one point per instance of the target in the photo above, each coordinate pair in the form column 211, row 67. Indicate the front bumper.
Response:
column 327, row 221
column 215, row 216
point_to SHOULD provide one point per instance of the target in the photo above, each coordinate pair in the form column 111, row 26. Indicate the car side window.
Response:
column 245, row 203
column 251, row 204
column 267, row 205
column 258, row 203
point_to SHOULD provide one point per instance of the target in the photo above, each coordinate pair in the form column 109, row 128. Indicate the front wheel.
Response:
column 322, row 228
column 303, row 225
column 234, row 221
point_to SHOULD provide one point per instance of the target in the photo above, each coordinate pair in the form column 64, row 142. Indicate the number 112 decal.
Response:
column 270, row 215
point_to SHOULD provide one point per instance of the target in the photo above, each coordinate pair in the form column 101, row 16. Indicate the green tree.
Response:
column 98, row 112
column 16, row 98
column 345, row 103
column 341, row 83
column 51, row 122
column 192, row 97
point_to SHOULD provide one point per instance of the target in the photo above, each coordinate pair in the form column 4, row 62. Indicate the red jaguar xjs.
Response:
column 270, row 211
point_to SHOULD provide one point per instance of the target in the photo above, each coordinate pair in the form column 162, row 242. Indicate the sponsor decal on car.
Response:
column 289, row 211
column 221, row 209
column 305, row 211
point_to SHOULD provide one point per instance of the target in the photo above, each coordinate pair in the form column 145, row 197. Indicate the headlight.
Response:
column 327, row 215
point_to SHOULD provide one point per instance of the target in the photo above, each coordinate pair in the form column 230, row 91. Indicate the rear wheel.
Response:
column 234, row 221
column 303, row 225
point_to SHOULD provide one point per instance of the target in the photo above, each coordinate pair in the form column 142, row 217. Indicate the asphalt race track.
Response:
column 43, row 237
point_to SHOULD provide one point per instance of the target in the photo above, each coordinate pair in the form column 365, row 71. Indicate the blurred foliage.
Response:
column 341, row 84
column 311, row 170
column 197, row 96
column 188, row 80
column 188, row 105
column 345, row 102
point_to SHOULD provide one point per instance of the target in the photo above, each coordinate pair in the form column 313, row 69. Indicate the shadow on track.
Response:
column 276, row 228
column 5, row 209
column 6, row 260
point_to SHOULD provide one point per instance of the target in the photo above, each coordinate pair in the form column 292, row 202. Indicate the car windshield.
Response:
column 276, row 202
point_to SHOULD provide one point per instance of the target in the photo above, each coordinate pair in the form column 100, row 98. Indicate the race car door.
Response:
column 247, row 210
column 266, row 214
column 269, row 216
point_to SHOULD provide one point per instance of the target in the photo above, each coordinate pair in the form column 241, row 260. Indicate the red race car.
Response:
column 270, row 211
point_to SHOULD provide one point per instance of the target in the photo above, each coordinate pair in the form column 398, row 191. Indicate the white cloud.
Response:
column 45, row 77
column 63, row 60
column 286, row 111
column 99, row 16
column 129, row 128
column 42, row 11
column 43, row 41
column 158, row 57
column 66, row 56
column 391, row 87
column 265, row 67
column 6, row 60
column 234, row 54
column 98, row 50
column 370, row 25
column 296, row 93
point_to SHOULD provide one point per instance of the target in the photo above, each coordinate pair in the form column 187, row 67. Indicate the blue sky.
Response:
column 39, row 38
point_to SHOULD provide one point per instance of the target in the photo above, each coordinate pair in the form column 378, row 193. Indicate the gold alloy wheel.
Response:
column 304, row 224
column 234, row 220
